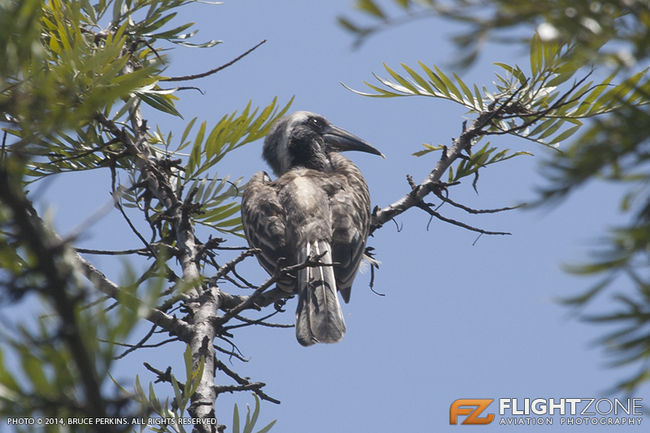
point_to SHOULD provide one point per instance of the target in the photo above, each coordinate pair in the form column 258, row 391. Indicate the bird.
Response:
column 318, row 210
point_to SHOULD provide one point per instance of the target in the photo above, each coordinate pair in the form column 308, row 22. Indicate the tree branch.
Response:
column 169, row 323
column 463, row 143
column 245, row 382
column 52, row 258
column 215, row 70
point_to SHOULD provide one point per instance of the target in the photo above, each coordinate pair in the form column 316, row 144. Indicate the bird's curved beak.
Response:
column 342, row 140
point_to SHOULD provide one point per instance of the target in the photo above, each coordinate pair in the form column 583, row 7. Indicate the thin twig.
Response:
column 163, row 376
column 111, row 252
column 230, row 353
column 242, row 381
column 475, row 211
column 228, row 267
column 414, row 198
column 261, row 321
column 250, row 300
column 458, row 223
column 215, row 70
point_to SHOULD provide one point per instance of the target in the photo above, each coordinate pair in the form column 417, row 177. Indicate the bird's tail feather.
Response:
column 319, row 318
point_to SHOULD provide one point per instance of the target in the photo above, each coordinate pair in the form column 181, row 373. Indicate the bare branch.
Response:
column 141, row 251
column 230, row 353
column 140, row 343
column 215, row 70
column 433, row 213
column 261, row 321
column 163, row 376
column 474, row 211
column 230, row 266
column 245, row 382
column 229, row 301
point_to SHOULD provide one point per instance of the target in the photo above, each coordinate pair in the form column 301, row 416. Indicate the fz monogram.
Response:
column 471, row 409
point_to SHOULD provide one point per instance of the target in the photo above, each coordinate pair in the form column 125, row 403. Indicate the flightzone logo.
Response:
column 547, row 411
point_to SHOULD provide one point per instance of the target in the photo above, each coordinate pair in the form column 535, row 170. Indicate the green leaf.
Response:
column 466, row 91
column 437, row 82
column 138, row 388
column 128, row 105
column 382, row 93
column 401, row 80
column 370, row 7
column 187, row 357
column 180, row 401
column 33, row 368
column 619, row 92
column 220, row 213
column 7, row 378
column 541, row 127
column 194, row 380
column 514, row 71
column 535, row 54
column 267, row 427
column 157, row 24
column 419, row 79
column 428, row 148
column 566, row 134
column 186, row 132
column 153, row 400
column 479, row 98
column 197, row 148
column 207, row 44
column 598, row 90
column 561, row 78
column 231, row 132
column 479, row 159
column 198, row 140
column 230, row 223
column 117, row 10
column 449, row 84
column 395, row 86
column 586, row 296
column 550, row 50
column 348, row 25
column 248, row 428
column 159, row 102
column 174, row 32
column 235, row 419
column 551, row 129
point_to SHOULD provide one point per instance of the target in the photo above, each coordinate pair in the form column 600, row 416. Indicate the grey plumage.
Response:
column 318, row 206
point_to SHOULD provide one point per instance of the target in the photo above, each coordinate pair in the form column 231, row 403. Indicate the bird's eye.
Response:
column 316, row 122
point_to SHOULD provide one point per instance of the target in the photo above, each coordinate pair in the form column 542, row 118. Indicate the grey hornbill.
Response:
column 318, row 207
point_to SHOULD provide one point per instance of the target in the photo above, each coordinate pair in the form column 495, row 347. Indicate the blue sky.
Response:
column 458, row 319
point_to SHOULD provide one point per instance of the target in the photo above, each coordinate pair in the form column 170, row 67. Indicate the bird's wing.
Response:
column 350, row 207
column 263, row 219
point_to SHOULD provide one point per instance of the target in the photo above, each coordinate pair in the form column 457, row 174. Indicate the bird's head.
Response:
column 304, row 139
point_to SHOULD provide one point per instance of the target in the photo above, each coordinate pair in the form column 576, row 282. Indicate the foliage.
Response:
column 230, row 133
column 611, row 38
column 249, row 423
column 76, row 82
column 616, row 150
column 546, row 105
column 589, row 23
